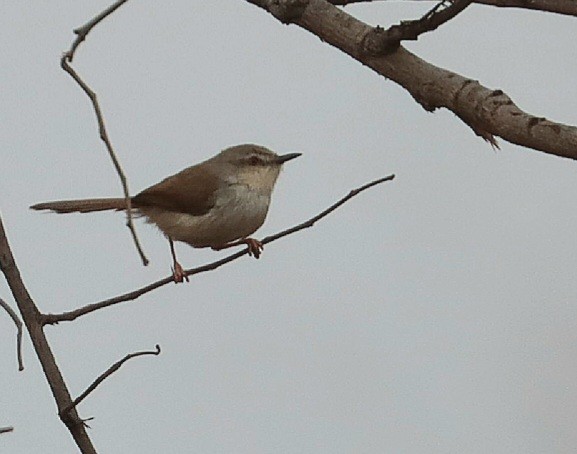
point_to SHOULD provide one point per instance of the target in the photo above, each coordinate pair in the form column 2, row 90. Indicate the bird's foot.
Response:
column 178, row 273
column 255, row 247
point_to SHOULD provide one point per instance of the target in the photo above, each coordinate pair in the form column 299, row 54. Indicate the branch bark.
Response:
column 33, row 321
column 486, row 111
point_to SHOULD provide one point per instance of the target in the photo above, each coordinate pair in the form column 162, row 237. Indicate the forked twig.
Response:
column 107, row 373
column 130, row 296
column 18, row 324
column 382, row 42
column 65, row 61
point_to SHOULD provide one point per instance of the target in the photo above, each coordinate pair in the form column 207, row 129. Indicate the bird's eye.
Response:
column 254, row 160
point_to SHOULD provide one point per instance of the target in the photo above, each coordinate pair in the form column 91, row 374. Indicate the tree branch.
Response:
column 65, row 61
column 4, row 430
column 567, row 7
column 32, row 319
column 107, row 374
column 82, row 32
column 487, row 112
column 387, row 41
column 130, row 296
column 18, row 324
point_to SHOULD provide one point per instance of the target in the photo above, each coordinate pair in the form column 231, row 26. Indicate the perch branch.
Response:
column 4, row 430
column 18, row 324
column 107, row 373
column 130, row 296
column 65, row 61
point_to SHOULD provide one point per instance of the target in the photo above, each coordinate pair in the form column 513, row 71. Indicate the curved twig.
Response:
column 107, row 373
column 65, row 61
column 18, row 324
column 81, row 32
column 130, row 296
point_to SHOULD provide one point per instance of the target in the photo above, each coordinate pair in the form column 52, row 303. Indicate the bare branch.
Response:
column 487, row 112
column 32, row 319
column 130, row 296
column 107, row 374
column 65, row 61
column 4, row 430
column 567, row 7
column 82, row 32
column 387, row 41
column 329, row 210
column 18, row 324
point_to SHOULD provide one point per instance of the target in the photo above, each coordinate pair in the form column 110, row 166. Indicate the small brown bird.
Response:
column 217, row 203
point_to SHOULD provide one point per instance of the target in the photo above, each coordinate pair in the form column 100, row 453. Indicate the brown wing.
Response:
column 190, row 191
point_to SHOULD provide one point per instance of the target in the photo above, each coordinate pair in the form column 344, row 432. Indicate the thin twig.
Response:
column 4, row 430
column 130, row 296
column 65, row 61
column 18, row 324
column 568, row 7
column 81, row 32
column 107, row 374
column 328, row 211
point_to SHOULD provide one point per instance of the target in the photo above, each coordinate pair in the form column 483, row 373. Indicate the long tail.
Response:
column 81, row 206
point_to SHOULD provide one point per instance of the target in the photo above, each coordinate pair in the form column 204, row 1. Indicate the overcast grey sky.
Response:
column 433, row 314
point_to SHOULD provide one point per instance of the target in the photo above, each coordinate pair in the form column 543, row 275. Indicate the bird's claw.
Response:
column 255, row 247
column 178, row 273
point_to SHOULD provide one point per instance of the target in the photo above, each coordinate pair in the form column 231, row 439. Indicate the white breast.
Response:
column 239, row 212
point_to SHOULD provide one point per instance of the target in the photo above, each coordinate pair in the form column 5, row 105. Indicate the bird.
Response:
column 217, row 203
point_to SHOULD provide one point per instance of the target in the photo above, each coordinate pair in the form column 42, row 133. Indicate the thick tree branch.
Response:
column 65, row 61
column 487, row 112
column 567, row 7
column 32, row 320
column 107, row 373
column 130, row 296
column 18, row 324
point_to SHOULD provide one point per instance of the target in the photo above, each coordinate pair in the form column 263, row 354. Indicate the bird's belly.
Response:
column 239, row 213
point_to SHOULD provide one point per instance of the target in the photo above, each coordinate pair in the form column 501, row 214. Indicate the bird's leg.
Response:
column 177, row 270
column 255, row 247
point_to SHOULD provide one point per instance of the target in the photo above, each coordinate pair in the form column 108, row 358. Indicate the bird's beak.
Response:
column 287, row 157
